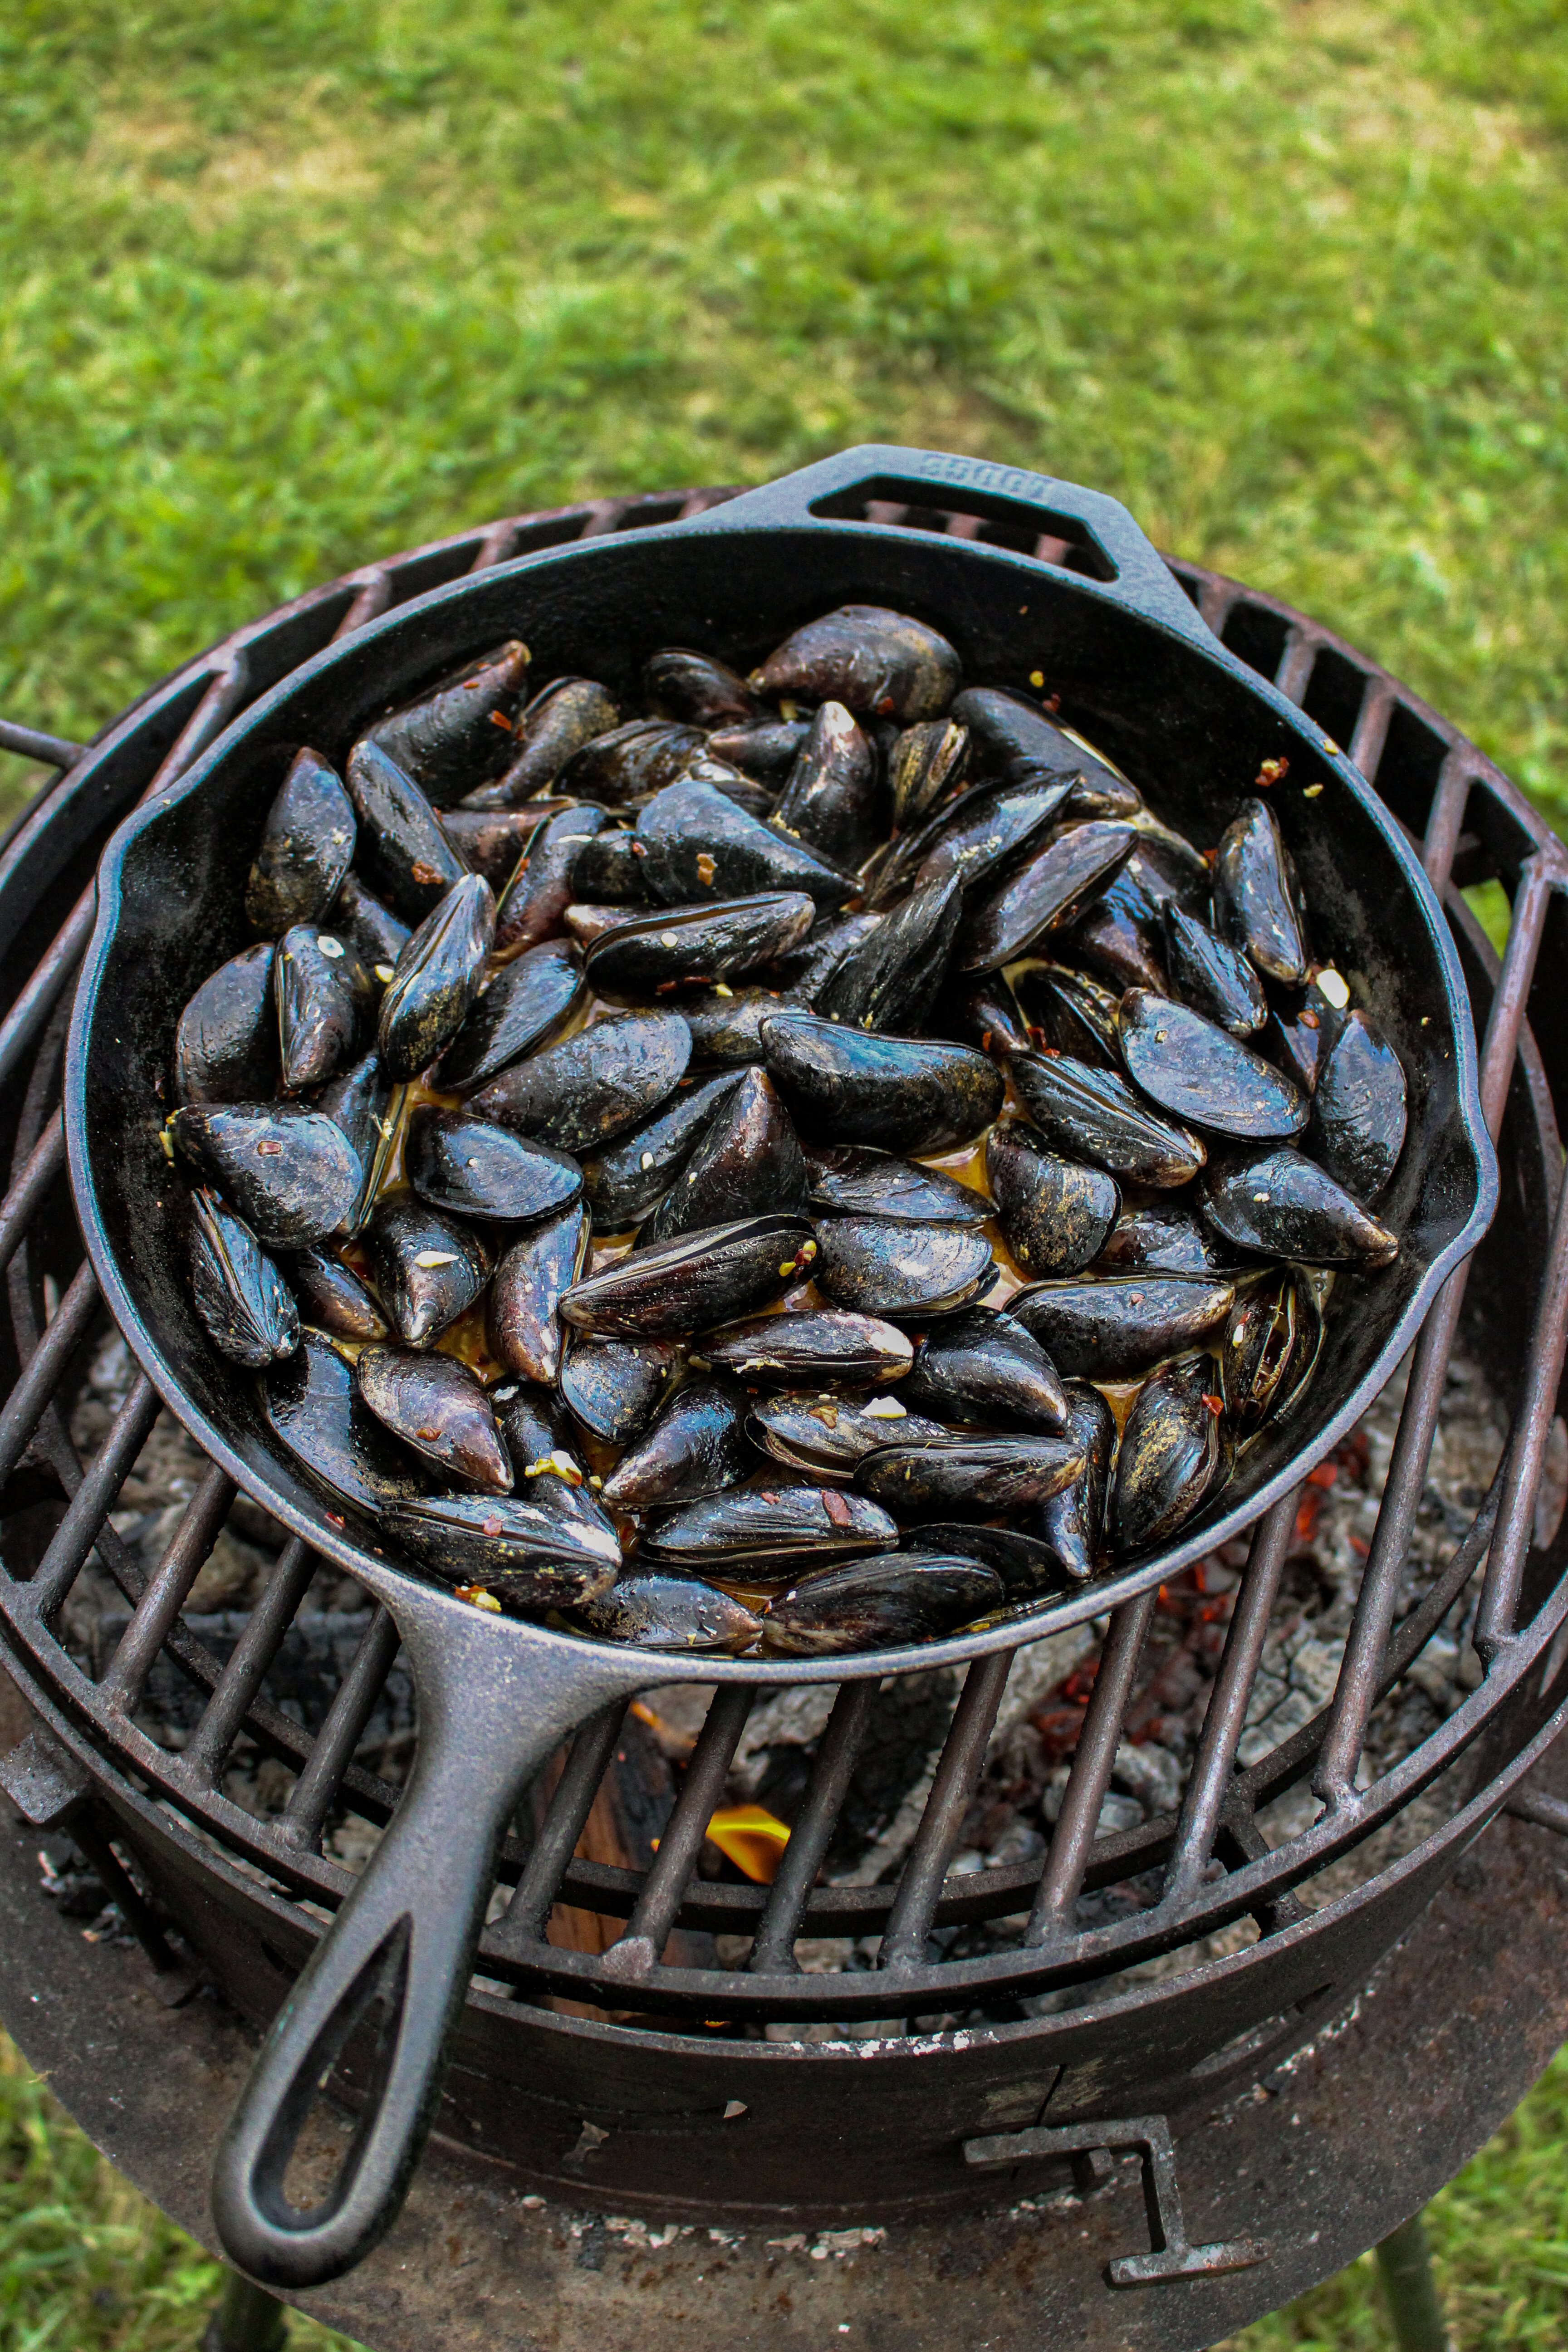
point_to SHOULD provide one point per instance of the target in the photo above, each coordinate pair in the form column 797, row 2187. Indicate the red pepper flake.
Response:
column 1052, row 1053
column 767, row 1494
column 1215, row 1404
column 1053, row 703
column 1272, row 771
column 837, row 1510
column 333, row 1520
column 1309, row 1019
column 268, row 1149
column 666, row 987
column 499, row 718
column 492, row 1527
column 985, row 1041
column 426, row 874
column 1211, row 857
column 1323, row 1475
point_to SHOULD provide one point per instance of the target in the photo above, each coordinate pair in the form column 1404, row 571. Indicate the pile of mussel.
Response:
column 806, row 1166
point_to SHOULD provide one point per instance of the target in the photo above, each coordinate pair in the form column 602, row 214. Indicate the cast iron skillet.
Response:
column 1142, row 676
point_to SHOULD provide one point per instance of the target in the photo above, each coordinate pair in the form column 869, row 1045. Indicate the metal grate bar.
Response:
column 773, row 1948
column 1516, row 1511
column 497, row 544
column 253, row 1654
column 963, row 1753
column 95, row 1497
column 153, row 1618
column 26, row 1195
column 28, row 744
column 1294, row 673
column 650, row 1923
column 30, row 1400
column 374, row 597
column 1072, row 1840
column 524, row 1920
column 1377, row 706
column 332, row 1751
column 1446, row 819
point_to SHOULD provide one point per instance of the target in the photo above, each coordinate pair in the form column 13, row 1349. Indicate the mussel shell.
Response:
column 1112, row 1327
column 745, row 1163
column 307, row 847
column 867, row 657
column 1198, row 1071
column 983, row 1366
column 1120, row 947
column 766, row 751
column 827, row 1436
column 697, row 1446
column 1257, row 899
column 421, row 1300
column 877, row 1605
column 694, row 686
column 544, row 880
column 820, row 1343
column 986, row 835
column 402, row 850
column 624, row 1183
column 1012, row 737
column 1212, row 976
column 641, row 756
column 984, row 1013
column 522, row 1318
column 726, row 1024
column 806, row 971
column 882, row 1266
column 926, row 767
column 890, row 980
column 290, row 1173
column 830, row 800
column 741, row 789
column 311, row 1403
column 579, row 1092
column 685, row 946
column 765, row 1529
column 1283, row 1204
column 526, row 1006
column 1072, row 1013
column 449, row 740
column 904, row 1094
column 322, row 992
column 1298, row 1045
column 1094, row 1115
column 1256, row 1349
column 614, row 1387
column 509, row 1545
column 332, row 1294
column 439, row 1407
column 989, row 1475
column 855, row 1180
column 697, row 845
column 226, row 1044
column 377, row 936
column 696, row 1281
column 1073, row 1522
column 1163, row 1237
column 244, row 1304
column 1174, row 1454
column 359, row 1100
column 1025, row 1563
column 437, row 979
column 1044, row 897
column 1055, row 1213
column 609, row 870
column 536, row 1425
column 561, row 718
column 1358, row 1110
column 472, row 1168
column 661, row 1609
column 492, row 840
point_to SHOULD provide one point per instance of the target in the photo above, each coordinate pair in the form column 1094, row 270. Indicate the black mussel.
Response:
column 437, row 979
column 903, row 1094
column 1198, row 1071
column 1012, row 737
column 1283, row 1204
column 827, row 1435
column 878, row 1604
column 538, row 1428
column 857, row 1182
column 882, row 1266
column 830, row 800
column 405, row 855
column 697, row 1446
column 741, row 789
column 696, row 844
column 1296, row 1042
column 244, row 1305
column 472, row 1168
column 826, row 1343
column 1025, row 1563
column 983, row 1013
column 323, row 995
column 990, row 1475
column 684, row 946
column 532, row 1275
column 439, row 1407
column 492, row 840
column 1073, row 1522
column 428, row 1268
column 1112, row 1327
column 311, row 1403
column 1257, row 899
column 926, row 767
column 1168, row 870
column 870, row 659
column 726, row 1024
column 225, row 1045
column 608, row 870
column 579, row 1092
column 307, row 847
column 1163, row 1237
column 507, row 1546
column 1358, row 1110
column 587, row 923
column 696, row 1281
column 985, row 836
column 614, row 1387
column 1044, row 897
column 561, row 718
column 983, row 1365
column 1256, row 1349
column 359, row 1100
column 332, row 1294
column 640, row 757
column 544, row 882
column 806, row 971
column 766, row 751
column 746, row 1163
column 1073, row 1013
column 1121, row 948
column 890, row 980
column 696, row 687
column 461, row 736
column 765, row 1530
column 1095, row 1115
column 1055, row 1213
column 625, row 1182
column 290, row 1173
column 1174, row 1454
column 376, row 935
column 663, row 1609
column 524, row 1008
column 1212, row 976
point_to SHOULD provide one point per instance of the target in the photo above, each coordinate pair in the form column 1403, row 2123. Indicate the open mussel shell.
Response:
column 926, row 767
column 1092, row 1114
column 827, row 1436
column 663, row 1609
column 1257, row 899
column 439, row 1407
column 1213, row 977
column 830, row 799
column 525, row 1007
column 686, row 946
column 377, row 936
column 579, row 1092
column 509, row 1545
column 1073, row 1522
column 1359, row 1109
column 989, row 1475
column 322, row 993
column 1056, row 1214
column 767, row 1529
column 456, row 738
column 332, row 1294
column 1112, row 1327
column 697, row 845
column 1283, row 1204
column 746, row 1162
column 225, row 1043
column 405, row 855
column 882, row 1265
column 983, row 1366
column 544, row 880
column 1163, row 1237
column 307, row 847
column 1257, row 1348
column 766, row 751
column 473, row 1169
column 311, row 1403
column 1026, row 1564
column 695, row 687
column 696, row 1281
column 561, row 718
column 1198, row 1071
column 359, row 1100
column 819, row 1344
column 868, row 658
column 614, row 1387
column 290, row 1173
column 640, row 756
column 902, row 1094
column 876, row 1605
column 244, row 1305
column 1072, row 1013
column 856, row 1180
column 522, row 1316
column 437, row 979
column 1174, row 1454
column 428, row 1268
column 625, row 1182
column 890, row 980
column 697, row 1446
column 1047, row 895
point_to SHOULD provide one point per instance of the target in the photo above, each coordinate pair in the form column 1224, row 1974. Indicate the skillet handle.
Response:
column 492, row 1709
column 1117, row 559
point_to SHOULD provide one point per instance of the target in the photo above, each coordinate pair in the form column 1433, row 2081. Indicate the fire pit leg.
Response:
column 1410, row 2290
column 248, row 2319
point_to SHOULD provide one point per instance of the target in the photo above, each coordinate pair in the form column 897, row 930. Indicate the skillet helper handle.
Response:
column 1116, row 558
column 404, row 1941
